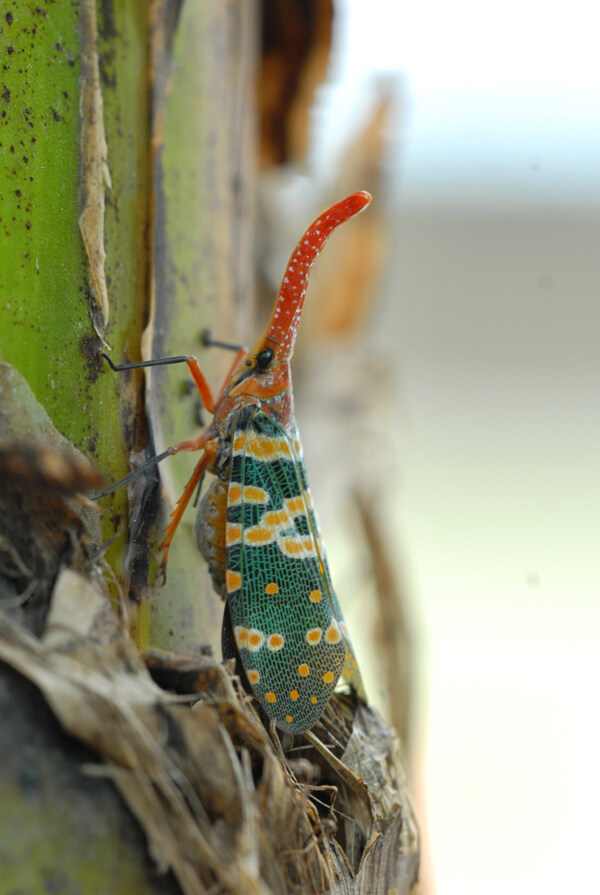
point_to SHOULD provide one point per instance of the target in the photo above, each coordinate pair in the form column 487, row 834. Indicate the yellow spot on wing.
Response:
column 255, row 494
column 275, row 519
column 258, row 535
column 294, row 694
column 296, row 546
column 253, row 676
column 267, row 448
column 332, row 634
column 250, row 493
column 271, row 697
column 313, row 699
column 233, row 534
column 255, row 639
column 315, row 596
column 233, row 580
column 328, row 677
column 275, row 642
column 289, row 719
column 314, row 635
column 294, row 505
column 241, row 635
column 234, row 493
column 272, row 588
column 303, row 670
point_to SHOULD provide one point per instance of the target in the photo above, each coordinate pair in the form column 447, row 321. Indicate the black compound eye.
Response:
column 263, row 359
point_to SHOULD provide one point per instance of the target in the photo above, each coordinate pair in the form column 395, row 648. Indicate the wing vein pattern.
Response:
column 286, row 619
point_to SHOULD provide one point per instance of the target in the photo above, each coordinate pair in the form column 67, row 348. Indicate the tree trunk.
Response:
column 126, row 208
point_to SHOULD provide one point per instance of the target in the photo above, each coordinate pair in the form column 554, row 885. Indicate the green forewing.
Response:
column 286, row 619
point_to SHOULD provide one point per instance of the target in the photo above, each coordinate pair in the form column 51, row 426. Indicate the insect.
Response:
column 256, row 524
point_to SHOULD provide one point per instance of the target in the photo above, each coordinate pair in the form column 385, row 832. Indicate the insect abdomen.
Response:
column 211, row 521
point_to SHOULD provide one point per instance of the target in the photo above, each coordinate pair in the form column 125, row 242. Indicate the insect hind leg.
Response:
column 188, row 492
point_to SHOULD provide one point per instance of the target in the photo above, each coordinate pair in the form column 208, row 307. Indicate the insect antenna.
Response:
column 154, row 461
column 158, row 362
column 198, row 490
column 206, row 337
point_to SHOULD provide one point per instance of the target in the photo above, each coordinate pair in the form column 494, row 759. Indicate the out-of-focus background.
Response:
column 477, row 435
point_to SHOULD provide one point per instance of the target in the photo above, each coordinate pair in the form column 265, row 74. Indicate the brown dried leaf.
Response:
column 188, row 774
column 296, row 42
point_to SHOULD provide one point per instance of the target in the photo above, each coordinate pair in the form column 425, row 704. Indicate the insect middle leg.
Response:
column 208, row 447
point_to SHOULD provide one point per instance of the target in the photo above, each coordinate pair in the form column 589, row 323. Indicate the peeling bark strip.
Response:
column 164, row 18
column 93, row 167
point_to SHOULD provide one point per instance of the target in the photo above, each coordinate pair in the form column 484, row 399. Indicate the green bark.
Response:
column 44, row 305
column 46, row 300
column 175, row 237
column 202, row 263
column 176, row 108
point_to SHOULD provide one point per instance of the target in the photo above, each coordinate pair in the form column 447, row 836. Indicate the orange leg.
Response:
column 196, row 444
column 201, row 383
column 203, row 386
column 238, row 356
column 193, row 366
column 210, row 449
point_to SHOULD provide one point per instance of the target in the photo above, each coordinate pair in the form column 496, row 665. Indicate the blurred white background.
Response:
column 491, row 306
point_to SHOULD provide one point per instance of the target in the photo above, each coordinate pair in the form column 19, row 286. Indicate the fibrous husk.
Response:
column 218, row 800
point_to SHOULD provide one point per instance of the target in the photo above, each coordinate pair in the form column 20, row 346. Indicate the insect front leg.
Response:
column 192, row 364
column 194, row 367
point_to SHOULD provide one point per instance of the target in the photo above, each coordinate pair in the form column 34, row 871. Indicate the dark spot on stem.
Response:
column 90, row 349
